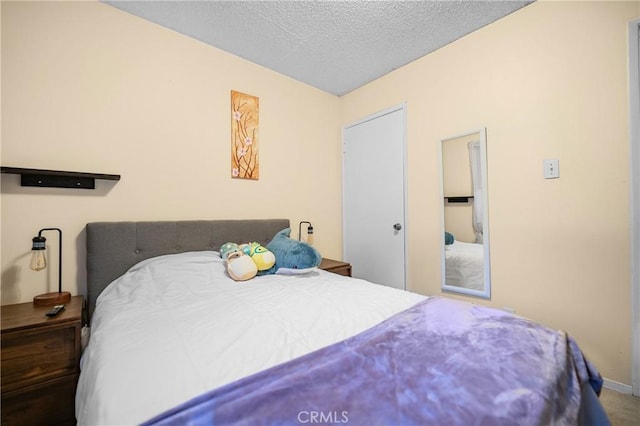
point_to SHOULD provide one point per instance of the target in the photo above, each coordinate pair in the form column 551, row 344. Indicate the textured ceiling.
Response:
column 335, row 46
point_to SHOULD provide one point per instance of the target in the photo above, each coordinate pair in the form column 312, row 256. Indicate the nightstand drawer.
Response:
column 50, row 402
column 30, row 356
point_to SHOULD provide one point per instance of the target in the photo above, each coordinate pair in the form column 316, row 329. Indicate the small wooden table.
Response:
column 336, row 266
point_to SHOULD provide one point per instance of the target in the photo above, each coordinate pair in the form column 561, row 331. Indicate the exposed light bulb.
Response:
column 38, row 260
column 310, row 234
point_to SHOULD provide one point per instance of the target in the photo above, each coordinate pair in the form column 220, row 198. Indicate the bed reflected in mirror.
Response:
column 465, row 236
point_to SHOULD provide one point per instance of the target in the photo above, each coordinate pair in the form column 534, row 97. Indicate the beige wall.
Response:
column 87, row 87
column 549, row 81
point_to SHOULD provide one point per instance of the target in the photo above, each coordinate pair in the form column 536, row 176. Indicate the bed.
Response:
column 464, row 265
column 175, row 341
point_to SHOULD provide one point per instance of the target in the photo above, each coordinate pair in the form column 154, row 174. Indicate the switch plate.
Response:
column 551, row 169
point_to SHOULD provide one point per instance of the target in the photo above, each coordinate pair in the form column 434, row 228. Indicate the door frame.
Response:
column 634, row 198
column 399, row 107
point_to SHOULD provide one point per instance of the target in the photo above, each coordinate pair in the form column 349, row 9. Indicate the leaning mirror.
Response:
column 465, row 230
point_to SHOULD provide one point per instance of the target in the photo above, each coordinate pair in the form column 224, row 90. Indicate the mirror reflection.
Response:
column 466, row 227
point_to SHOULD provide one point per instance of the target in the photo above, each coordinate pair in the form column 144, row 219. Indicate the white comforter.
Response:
column 464, row 265
column 176, row 326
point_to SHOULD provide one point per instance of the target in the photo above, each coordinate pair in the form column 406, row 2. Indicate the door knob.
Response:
column 397, row 227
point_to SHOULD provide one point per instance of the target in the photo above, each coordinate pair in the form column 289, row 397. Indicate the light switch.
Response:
column 551, row 169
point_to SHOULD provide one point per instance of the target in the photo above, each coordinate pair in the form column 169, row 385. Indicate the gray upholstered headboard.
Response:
column 114, row 247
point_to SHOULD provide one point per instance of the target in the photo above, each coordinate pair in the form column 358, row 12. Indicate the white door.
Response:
column 373, row 157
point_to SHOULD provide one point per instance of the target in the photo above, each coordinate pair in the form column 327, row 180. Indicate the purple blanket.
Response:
column 441, row 362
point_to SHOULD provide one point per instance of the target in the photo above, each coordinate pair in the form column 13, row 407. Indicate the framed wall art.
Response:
column 245, row 162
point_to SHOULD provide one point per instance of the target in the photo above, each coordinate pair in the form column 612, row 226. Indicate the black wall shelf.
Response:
column 459, row 199
column 57, row 178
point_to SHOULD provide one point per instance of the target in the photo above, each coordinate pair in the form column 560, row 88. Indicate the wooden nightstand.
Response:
column 40, row 363
column 336, row 266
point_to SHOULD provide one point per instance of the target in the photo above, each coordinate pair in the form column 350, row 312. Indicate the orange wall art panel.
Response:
column 244, row 136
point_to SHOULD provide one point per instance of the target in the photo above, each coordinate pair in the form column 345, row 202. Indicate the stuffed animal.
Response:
column 228, row 248
column 240, row 267
column 237, row 257
column 292, row 255
column 263, row 258
column 449, row 238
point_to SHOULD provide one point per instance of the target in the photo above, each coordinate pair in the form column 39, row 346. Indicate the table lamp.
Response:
column 309, row 238
column 39, row 262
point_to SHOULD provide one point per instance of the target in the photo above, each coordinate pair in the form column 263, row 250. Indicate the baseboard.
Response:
column 617, row 386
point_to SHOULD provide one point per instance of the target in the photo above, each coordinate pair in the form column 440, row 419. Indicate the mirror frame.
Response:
column 486, row 294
